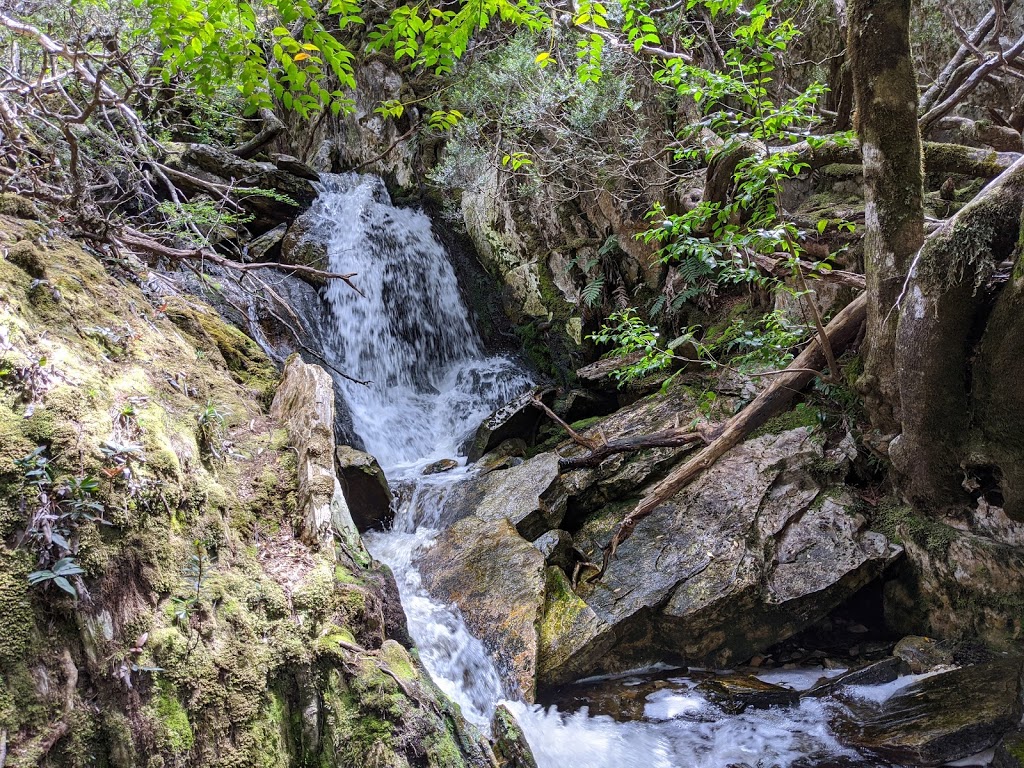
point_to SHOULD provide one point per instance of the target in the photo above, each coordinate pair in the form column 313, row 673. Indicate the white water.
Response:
column 432, row 384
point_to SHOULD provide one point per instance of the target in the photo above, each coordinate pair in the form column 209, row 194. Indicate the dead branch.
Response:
column 136, row 239
column 992, row 63
column 772, row 401
column 777, row 267
column 272, row 128
column 939, row 89
column 669, row 438
column 586, row 442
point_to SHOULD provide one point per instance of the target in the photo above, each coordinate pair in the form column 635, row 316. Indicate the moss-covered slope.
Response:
column 201, row 631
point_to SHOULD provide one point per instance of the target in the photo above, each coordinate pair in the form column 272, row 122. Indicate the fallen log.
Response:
column 841, row 331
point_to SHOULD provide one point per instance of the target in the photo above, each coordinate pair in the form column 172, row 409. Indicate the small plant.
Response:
column 185, row 607
column 59, row 507
column 211, row 429
column 58, row 574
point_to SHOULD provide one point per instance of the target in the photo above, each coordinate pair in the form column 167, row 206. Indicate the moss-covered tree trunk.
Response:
column 886, row 95
column 960, row 343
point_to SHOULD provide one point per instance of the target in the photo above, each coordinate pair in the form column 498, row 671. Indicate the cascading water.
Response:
column 432, row 383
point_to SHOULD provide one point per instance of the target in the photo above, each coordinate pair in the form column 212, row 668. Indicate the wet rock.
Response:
column 304, row 405
column 529, row 495
column 876, row 673
column 509, row 453
column 444, row 465
column 584, row 404
column 734, row 693
column 558, row 549
column 497, row 579
column 939, row 719
column 365, row 487
column 519, row 419
column 304, row 245
column 1010, row 751
column 922, row 654
column 510, row 745
column 753, row 551
column 267, row 246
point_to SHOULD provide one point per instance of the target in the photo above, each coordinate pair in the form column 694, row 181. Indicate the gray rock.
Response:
column 922, row 654
column 304, row 405
column 366, row 489
column 939, row 719
column 295, row 166
column 303, row 245
column 498, row 580
column 558, row 549
column 267, row 246
column 529, row 495
column 750, row 553
column 518, row 419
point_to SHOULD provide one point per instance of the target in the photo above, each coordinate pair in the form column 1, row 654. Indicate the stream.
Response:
column 433, row 383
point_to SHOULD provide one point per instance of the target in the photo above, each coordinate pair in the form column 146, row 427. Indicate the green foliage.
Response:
column 294, row 57
column 59, row 506
column 58, row 574
column 198, row 221
column 434, row 38
column 210, row 423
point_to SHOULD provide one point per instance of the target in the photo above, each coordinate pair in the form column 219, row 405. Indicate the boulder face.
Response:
column 749, row 554
column 487, row 568
column 365, row 487
column 940, row 719
column 304, row 403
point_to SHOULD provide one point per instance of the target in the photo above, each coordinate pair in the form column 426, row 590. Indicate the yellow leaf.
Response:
column 543, row 56
column 301, row 57
column 310, row 47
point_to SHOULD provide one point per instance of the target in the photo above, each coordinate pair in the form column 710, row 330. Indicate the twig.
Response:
column 576, row 436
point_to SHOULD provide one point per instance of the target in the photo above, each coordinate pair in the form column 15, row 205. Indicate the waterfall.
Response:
column 410, row 334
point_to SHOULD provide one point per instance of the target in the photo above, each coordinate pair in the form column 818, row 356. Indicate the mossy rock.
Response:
column 24, row 255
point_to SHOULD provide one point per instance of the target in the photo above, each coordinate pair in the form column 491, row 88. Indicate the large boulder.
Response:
column 365, row 487
column 528, row 495
column 753, row 551
column 488, row 566
column 304, row 405
column 939, row 719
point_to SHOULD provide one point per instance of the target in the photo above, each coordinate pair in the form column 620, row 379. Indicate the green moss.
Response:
column 174, row 730
column 18, row 206
column 802, row 415
column 15, row 607
column 24, row 255
column 398, row 660
column 900, row 522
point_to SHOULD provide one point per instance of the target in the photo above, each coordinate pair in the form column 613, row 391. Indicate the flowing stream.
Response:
column 433, row 382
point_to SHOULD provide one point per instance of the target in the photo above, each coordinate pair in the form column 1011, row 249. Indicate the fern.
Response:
column 591, row 294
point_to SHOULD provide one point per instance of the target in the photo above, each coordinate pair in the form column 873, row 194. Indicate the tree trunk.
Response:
column 963, row 407
column 886, row 94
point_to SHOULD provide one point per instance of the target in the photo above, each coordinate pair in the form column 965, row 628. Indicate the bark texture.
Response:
column 886, row 95
column 959, row 356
